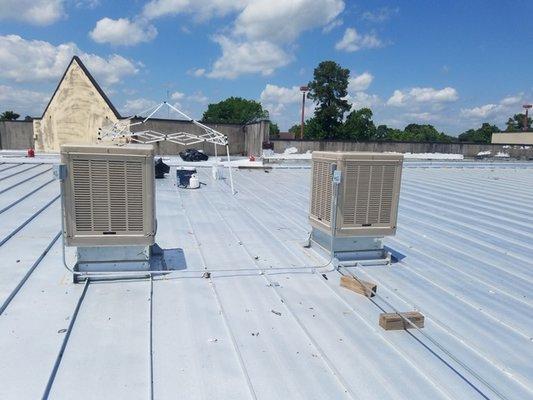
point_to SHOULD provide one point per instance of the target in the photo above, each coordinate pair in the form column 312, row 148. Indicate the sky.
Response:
column 453, row 64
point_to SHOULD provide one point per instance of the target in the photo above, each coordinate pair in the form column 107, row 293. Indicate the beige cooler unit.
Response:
column 108, row 195
column 367, row 199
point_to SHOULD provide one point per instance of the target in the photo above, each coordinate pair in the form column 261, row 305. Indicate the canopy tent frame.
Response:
column 122, row 130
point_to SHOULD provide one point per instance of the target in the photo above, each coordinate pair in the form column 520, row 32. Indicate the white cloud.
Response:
column 504, row 108
column 512, row 100
column 483, row 111
column 197, row 72
column 177, row 96
column 247, row 57
column 255, row 42
column 282, row 21
column 422, row 95
column 138, row 106
column 362, row 99
column 359, row 83
column 332, row 25
column 353, row 41
column 380, row 15
column 198, row 97
column 122, row 31
column 23, row 101
column 48, row 62
column 91, row 4
column 35, row 12
column 201, row 9
column 279, row 94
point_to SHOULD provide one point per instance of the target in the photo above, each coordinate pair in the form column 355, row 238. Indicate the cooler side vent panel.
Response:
column 321, row 191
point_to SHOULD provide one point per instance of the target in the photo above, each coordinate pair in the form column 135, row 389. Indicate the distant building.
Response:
column 77, row 109
column 513, row 138
column 286, row 135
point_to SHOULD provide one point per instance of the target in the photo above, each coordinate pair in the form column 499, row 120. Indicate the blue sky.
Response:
column 453, row 64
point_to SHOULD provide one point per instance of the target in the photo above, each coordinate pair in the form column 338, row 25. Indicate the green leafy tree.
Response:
column 328, row 89
column 9, row 116
column 234, row 110
column 295, row 129
column 480, row 135
column 274, row 130
column 425, row 133
column 359, row 125
column 516, row 123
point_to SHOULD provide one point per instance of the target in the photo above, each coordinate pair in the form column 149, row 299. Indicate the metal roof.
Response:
column 465, row 232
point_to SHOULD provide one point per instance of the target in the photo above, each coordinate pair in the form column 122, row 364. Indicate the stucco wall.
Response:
column 467, row 149
column 515, row 138
column 16, row 135
column 75, row 113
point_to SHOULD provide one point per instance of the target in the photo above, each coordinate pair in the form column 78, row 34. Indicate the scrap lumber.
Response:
column 393, row 321
column 365, row 288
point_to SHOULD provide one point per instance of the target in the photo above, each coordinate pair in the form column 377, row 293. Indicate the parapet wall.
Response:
column 16, row 135
column 466, row 149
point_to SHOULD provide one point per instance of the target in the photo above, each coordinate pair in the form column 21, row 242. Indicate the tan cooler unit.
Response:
column 109, row 195
column 367, row 201
column 368, row 192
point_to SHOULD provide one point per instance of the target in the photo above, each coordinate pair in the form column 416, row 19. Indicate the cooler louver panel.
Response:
column 368, row 192
column 108, row 196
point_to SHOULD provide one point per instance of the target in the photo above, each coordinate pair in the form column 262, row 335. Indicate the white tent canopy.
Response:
column 122, row 130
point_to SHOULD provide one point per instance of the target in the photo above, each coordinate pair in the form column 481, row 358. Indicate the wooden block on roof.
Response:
column 393, row 321
column 367, row 289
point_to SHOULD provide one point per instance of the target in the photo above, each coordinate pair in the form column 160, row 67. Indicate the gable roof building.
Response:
column 75, row 112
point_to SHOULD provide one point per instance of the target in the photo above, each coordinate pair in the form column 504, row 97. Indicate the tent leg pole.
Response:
column 229, row 167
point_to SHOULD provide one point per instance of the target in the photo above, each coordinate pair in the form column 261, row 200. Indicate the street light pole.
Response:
column 303, row 89
column 526, row 107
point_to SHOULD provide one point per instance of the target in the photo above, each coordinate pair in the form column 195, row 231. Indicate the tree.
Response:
column 328, row 89
column 234, row 110
column 359, row 125
column 425, row 133
column 480, row 135
column 9, row 116
column 274, row 130
column 516, row 123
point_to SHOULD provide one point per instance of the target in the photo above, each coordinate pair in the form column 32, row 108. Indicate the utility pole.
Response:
column 304, row 90
column 526, row 107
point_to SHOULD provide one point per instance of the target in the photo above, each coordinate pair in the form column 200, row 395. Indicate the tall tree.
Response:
column 516, row 123
column 234, row 110
column 328, row 89
column 480, row 135
column 9, row 116
column 359, row 125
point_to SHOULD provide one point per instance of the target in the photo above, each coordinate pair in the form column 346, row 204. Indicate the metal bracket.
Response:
column 60, row 172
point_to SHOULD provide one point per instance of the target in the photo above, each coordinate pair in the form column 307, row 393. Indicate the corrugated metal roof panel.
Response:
column 465, row 233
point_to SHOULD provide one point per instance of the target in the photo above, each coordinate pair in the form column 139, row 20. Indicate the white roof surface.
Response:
column 465, row 230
